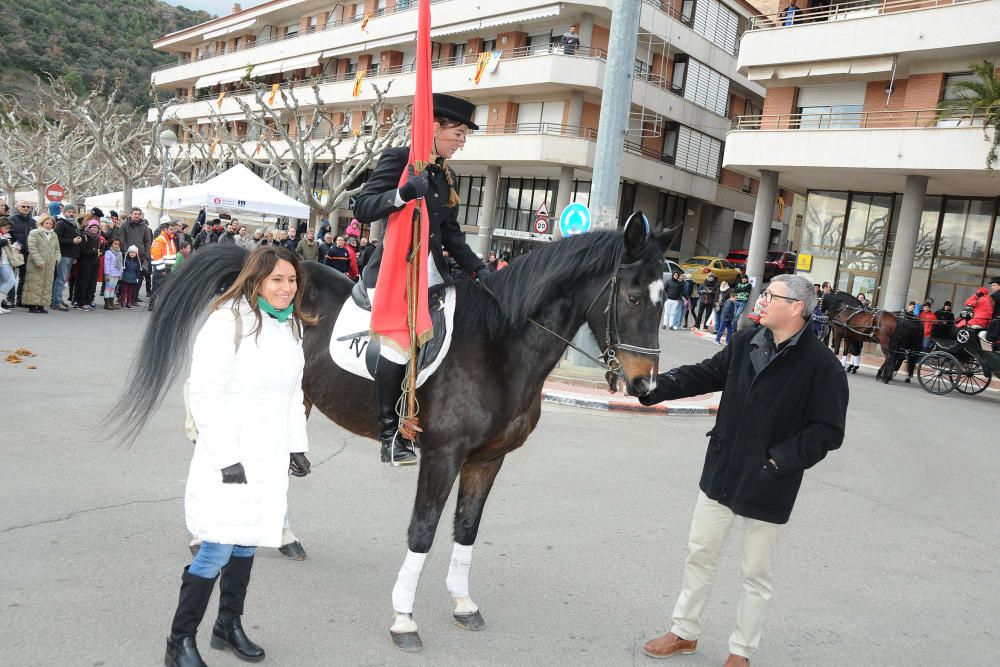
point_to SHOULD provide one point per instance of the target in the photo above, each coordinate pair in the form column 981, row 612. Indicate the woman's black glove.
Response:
column 234, row 474
column 298, row 464
column 416, row 185
column 483, row 270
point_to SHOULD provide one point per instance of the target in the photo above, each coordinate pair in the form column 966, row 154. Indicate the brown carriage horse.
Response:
column 472, row 415
column 853, row 322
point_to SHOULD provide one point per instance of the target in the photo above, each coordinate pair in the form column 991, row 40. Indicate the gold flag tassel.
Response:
column 409, row 419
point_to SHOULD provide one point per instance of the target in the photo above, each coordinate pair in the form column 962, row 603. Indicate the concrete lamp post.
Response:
column 168, row 140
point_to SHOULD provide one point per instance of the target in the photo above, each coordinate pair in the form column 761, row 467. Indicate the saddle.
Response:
column 353, row 349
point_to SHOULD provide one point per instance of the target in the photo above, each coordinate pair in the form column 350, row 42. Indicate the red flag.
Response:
column 391, row 310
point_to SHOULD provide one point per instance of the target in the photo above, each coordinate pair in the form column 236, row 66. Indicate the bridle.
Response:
column 609, row 355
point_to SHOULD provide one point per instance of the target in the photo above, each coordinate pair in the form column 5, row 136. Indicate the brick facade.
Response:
column 779, row 101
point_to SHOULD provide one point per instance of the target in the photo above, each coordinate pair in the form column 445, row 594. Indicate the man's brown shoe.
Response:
column 736, row 661
column 668, row 645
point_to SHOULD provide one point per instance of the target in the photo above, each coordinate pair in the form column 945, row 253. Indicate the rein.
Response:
column 609, row 356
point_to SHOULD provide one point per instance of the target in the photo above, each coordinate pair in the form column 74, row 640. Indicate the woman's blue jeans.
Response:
column 740, row 307
column 7, row 279
column 212, row 557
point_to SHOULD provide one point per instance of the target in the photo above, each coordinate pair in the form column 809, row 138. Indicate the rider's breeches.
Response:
column 387, row 352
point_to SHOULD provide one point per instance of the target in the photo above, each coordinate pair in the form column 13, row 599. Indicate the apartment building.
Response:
column 538, row 107
column 898, row 202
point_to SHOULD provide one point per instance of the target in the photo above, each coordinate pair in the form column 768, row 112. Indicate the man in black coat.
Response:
column 382, row 196
column 23, row 223
column 783, row 407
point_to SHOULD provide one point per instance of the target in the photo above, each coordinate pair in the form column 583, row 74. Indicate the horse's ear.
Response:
column 665, row 237
column 637, row 235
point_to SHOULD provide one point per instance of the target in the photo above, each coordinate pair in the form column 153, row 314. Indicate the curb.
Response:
column 614, row 405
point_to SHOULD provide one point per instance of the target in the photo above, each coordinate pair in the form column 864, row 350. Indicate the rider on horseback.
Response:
column 380, row 197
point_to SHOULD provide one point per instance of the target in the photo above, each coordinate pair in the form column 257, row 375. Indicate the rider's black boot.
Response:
column 193, row 600
column 388, row 388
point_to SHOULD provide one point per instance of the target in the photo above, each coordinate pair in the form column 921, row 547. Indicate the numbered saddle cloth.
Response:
column 353, row 349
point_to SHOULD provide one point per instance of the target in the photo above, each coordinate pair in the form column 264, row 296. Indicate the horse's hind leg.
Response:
column 437, row 475
column 473, row 488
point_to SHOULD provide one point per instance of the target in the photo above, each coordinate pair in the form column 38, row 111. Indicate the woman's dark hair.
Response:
column 258, row 266
column 5, row 222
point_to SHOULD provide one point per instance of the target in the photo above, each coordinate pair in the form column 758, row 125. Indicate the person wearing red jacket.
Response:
column 929, row 319
column 980, row 307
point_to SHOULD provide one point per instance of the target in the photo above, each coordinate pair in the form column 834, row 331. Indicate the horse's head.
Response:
column 626, row 326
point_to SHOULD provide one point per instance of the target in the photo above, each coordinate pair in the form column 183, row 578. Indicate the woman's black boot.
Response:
column 228, row 630
column 396, row 449
column 182, row 651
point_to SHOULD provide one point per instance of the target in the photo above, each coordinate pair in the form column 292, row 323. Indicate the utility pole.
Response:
column 616, row 106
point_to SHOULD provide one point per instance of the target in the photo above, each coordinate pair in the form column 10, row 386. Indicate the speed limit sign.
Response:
column 542, row 225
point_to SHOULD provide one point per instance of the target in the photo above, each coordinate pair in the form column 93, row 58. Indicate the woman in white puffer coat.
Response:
column 247, row 405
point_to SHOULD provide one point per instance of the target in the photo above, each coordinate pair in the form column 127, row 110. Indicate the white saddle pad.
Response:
column 350, row 339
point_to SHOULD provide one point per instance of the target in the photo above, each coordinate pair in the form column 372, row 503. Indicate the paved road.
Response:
column 890, row 557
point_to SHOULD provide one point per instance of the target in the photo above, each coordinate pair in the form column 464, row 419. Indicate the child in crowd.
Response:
column 131, row 275
column 114, row 264
column 727, row 319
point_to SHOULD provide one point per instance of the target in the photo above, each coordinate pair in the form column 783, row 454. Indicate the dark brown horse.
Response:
column 853, row 324
column 484, row 400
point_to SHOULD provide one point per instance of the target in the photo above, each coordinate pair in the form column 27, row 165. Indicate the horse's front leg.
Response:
column 473, row 488
column 437, row 475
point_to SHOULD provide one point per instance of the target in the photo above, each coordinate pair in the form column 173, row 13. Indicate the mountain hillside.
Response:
column 85, row 41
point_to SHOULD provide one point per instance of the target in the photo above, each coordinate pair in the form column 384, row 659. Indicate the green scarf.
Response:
column 280, row 315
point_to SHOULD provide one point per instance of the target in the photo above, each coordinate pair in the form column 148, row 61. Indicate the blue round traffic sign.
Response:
column 575, row 219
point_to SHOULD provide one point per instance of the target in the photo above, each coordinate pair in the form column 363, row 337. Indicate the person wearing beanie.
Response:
column 382, row 196
column 88, row 261
column 114, row 266
column 131, row 276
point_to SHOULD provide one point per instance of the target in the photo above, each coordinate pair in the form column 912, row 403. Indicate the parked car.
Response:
column 775, row 263
column 738, row 258
column 784, row 262
column 699, row 267
column 669, row 266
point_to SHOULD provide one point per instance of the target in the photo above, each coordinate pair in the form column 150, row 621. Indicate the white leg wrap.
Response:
column 458, row 579
column 403, row 623
column 405, row 590
column 843, row 361
column 855, row 360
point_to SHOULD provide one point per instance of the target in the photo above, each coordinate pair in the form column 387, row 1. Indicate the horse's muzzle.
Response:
column 641, row 386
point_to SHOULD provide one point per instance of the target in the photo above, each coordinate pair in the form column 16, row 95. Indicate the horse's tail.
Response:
column 163, row 352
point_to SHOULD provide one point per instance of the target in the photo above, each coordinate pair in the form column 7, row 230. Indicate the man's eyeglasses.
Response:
column 769, row 296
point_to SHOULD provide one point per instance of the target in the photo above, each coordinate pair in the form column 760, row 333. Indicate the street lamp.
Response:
column 168, row 140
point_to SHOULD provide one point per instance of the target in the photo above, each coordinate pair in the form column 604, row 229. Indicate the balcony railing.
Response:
column 547, row 129
column 852, row 9
column 330, row 25
column 441, row 63
column 855, row 120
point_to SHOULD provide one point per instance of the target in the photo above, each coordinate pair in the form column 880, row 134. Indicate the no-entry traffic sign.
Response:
column 55, row 192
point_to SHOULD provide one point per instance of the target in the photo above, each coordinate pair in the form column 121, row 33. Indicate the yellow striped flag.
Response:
column 218, row 102
column 484, row 60
column 274, row 91
column 358, row 79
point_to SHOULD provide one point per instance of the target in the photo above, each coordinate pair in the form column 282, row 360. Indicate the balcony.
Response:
column 914, row 31
column 525, row 70
column 867, row 151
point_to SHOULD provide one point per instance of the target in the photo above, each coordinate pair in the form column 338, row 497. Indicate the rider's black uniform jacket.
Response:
column 378, row 199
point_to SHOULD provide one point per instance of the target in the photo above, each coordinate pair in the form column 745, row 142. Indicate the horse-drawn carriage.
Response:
column 960, row 363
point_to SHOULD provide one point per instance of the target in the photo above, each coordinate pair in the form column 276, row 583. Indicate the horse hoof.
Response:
column 407, row 641
column 473, row 622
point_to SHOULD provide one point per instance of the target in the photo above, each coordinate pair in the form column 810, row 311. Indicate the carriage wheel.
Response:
column 973, row 378
column 938, row 373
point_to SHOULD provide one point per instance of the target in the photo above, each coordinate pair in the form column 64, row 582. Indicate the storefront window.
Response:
column 470, row 192
column 824, row 225
column 861, row 259
column 960, row 260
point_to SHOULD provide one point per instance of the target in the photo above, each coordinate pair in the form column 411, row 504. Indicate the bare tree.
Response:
column 74, row 159
column 32, row 137
column 13, row 174
column 298, row 137
column 122, row 136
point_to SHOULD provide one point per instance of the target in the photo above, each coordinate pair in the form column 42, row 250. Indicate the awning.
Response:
column 287, row 65
column 242, row 25
column 825, row 68
column 208, row 120
column 760, row 73
column 229, row 76
column 367, row 46
column 793, row 71
column 469, row 26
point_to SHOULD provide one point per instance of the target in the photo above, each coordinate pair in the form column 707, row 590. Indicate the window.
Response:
column 669, row 142
column 687, row 11
column 826, row 117
column 345, row 127
column 716, row 23
column 539, row 43
column 706, row 87
column 368, row 123
column 459, row 54
column 519, row 198
column 470, row 191
column 489, row 45
column 679, row 75
column 698, row 152
column 292, row 30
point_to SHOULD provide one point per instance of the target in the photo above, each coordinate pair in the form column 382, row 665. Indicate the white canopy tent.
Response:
column 237, row 191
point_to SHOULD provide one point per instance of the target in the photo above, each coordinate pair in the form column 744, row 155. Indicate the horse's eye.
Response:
column 633, row 300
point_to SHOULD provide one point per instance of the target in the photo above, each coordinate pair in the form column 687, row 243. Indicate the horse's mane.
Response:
column 837, row 298
column 537, row 278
